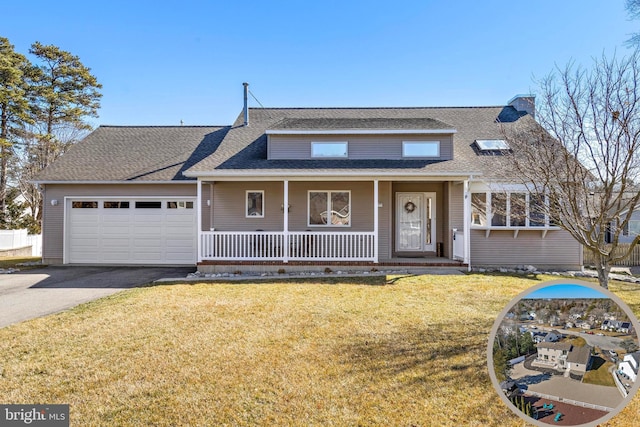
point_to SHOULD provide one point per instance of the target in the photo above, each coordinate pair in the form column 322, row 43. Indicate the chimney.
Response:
column 246, row 104
column 524, row 103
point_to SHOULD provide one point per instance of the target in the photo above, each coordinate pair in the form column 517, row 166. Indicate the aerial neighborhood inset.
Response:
column 566, row 361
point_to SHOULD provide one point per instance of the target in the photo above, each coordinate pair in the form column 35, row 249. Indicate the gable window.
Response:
column 254, row 207
column 329, row 208
column 331, row 150
column 420, row 148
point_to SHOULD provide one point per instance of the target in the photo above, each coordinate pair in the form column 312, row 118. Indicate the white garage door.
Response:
column 131, row 231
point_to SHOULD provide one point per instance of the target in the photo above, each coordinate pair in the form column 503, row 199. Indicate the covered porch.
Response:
column 347, row 222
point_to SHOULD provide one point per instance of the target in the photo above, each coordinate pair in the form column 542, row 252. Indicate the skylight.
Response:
column 492, row 144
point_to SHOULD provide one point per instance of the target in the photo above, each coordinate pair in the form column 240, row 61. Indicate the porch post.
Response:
column 199, row 216
column 467, row 225
column 375, row 220
column 285, row 226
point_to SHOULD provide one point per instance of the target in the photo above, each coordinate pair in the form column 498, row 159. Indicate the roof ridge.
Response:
column 164, row 126
column 378, row 108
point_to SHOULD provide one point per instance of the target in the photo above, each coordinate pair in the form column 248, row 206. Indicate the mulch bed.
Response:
column 571, row 415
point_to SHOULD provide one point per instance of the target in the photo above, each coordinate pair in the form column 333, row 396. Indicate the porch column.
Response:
column 285, row 226
column 375, row 220
column 199, row 216
column 467, row 224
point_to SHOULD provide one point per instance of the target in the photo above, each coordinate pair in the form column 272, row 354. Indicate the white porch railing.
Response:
column 295, row 245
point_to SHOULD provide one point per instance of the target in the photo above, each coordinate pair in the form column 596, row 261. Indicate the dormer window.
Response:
column 330, row 150
column 420, row 148
column 492, row 144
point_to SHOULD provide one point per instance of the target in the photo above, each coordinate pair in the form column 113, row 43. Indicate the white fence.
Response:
column 570, row 401
column 294, row 245
column 14, row 239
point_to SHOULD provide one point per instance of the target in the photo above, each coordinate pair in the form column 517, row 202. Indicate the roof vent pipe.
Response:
column 246, row 104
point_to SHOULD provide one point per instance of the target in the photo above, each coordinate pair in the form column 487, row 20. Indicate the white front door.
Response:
column 415, row 222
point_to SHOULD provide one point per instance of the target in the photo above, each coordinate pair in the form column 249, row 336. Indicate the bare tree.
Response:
column 633, row 9
column 580, row 160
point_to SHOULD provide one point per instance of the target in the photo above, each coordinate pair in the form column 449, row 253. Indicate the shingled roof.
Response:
column 244, row 148
column 135, row 153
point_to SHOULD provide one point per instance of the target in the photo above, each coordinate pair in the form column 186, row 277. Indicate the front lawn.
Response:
column 396, row 351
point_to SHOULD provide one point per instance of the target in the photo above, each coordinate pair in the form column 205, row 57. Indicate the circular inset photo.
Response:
column 565, row 353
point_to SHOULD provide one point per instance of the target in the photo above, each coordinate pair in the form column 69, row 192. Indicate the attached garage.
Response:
column 130, row 230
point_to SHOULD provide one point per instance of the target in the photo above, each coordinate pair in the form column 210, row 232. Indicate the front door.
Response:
column 415, row 222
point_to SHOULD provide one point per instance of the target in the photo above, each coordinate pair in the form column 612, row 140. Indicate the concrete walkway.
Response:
column 35, row 293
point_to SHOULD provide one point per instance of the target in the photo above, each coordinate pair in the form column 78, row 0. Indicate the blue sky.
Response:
column 565, row 291
column 165, row 61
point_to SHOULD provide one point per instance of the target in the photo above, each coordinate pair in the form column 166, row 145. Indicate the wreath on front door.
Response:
column 410, row 207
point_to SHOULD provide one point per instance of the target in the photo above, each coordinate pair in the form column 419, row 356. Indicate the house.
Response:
column 585, row 325
column 629, row 365
column 541, row 336
column 621, row 326
column 310, row 187
column 563, row 357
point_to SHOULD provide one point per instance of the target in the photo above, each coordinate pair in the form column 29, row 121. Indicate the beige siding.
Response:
column 361, row 204
column 455, row 203
column 229, row 206
column 385, row 227
column 557, row 248
column 360, row 147
column 53, row 216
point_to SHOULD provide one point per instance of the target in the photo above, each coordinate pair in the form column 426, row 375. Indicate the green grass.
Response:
column 396, row 351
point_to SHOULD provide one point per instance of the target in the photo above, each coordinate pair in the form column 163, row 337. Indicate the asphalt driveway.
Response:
column 43, row 291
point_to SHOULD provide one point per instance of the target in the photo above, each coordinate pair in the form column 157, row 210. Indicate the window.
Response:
column 84, row 205
column 330, row 208
column 498, row 209
column 479, row 209
column 513, row 209
column 420, row 148
column 116, row 205
column 330, row 149
column 255, row 204
column 180, row 205
column 492, row 144
column 536, row 210
column 517, row 209
column 148, row 205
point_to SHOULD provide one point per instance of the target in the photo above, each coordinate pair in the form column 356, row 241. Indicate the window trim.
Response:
column 246, row 204
column 488, row 214
column 321, row 143
column 328, row 192
column 409, row 156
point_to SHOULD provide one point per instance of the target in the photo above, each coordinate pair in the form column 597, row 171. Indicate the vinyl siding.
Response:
column 385, row 228
column 360, row 147
column 53, row 216
column 455, row 202
column 557, row 249
column 229, row 206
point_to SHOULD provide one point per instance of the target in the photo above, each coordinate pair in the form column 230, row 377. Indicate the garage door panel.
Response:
column 131, row 235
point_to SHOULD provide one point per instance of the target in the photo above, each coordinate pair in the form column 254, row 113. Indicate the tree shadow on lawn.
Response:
column 530, row 276
column 429, row 357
